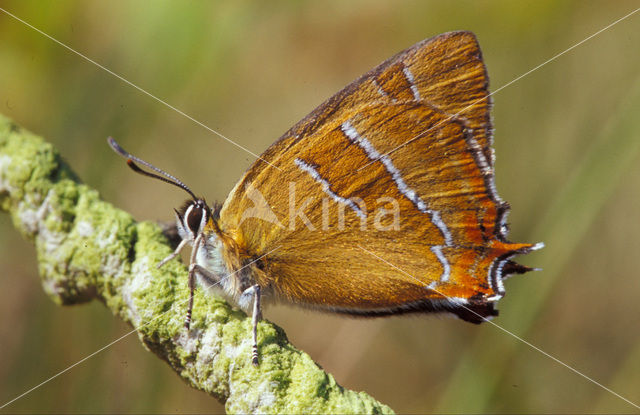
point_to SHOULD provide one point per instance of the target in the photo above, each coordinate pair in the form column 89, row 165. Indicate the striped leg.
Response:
column 175, row 253
column 192, row 286
column 193, row 268
column 257, row 316
column 210, row 279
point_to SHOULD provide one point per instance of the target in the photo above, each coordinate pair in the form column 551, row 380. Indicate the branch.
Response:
column 87, row 249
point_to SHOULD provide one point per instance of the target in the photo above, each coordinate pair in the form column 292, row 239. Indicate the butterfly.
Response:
column 381, row 201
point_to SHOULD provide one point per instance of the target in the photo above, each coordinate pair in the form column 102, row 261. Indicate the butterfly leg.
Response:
column 210, row 279
column 253, row 291
column 193, row 268
column 192, row 286
column 175, row 253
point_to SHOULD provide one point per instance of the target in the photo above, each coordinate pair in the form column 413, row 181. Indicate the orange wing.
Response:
column 385, row 199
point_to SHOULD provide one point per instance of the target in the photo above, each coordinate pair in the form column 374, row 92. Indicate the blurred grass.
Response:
column 566, row 142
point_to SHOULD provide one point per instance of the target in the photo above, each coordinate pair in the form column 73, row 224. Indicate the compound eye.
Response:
column 193, row 217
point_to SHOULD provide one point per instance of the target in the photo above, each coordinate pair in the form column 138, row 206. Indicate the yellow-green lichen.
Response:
column 88, row 249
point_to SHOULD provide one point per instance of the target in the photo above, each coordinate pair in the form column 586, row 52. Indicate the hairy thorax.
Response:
column 233, row 277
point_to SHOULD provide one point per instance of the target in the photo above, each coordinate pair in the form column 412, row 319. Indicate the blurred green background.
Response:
column 566, row 138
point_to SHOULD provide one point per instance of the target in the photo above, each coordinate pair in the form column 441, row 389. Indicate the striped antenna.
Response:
column 163, row 176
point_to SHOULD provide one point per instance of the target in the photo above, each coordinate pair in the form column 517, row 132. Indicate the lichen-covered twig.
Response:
column 87, row 249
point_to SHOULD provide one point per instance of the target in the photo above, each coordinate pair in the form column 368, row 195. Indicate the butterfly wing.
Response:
column 382, row 200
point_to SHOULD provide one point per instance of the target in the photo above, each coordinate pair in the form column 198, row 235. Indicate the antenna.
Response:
column 163, row 176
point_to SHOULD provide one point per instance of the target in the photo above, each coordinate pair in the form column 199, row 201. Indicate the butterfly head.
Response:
column 192, row 218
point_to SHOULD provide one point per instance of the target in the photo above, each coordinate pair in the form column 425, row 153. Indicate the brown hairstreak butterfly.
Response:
column 380, row 202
